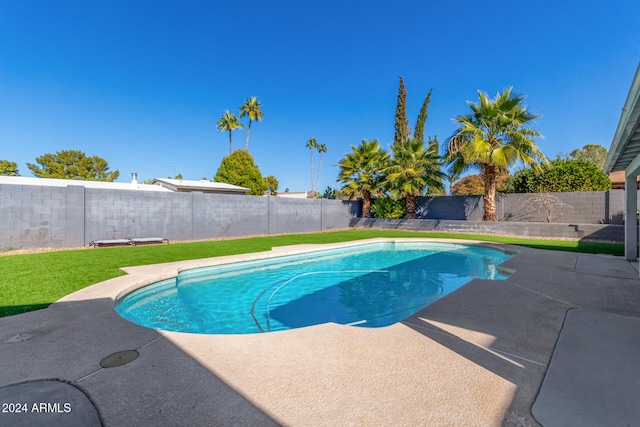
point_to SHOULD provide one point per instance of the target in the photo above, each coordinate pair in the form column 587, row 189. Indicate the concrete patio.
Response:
column 555, row 344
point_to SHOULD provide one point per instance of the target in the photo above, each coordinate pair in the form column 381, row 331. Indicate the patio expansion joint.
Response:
column 499, row 353
column 91, row 374
column 544, row 295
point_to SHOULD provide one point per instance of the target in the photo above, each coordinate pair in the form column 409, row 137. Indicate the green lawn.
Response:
column 33, row 281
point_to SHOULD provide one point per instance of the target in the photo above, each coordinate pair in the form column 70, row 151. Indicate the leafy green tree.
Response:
column 321, row 150
column 312, row 145
column 561, row 176
column 272, row 184
column 403, row 132
column 386, row 207
column 238, row 168
column 594, row 153
column 72, row 164
column 8, row 168
column 229, row 122
column 473, row 185
column 329, row 193
column 412, row 170
column 418, row 133
column 361, row 171
column 470, row 185
column 251, row 109
column 494, row 137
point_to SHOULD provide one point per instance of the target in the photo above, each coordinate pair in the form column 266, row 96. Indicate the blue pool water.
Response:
column 368, row 285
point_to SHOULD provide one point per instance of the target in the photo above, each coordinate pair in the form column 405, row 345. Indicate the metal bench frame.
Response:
column 131, row 242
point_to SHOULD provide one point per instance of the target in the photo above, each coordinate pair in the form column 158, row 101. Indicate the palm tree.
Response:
column 362, row 172
column 311, row 144
column 321, row 149
column 493, row 137
column 456, row 168
column 453, row 177
column 414, row 168
column 229, row 122
column 251, row 109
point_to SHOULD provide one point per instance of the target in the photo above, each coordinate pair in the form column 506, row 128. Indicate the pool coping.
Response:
column 175, row 270
column 140, row 276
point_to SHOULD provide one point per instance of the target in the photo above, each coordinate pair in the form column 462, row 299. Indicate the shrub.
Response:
column 561, row 176
column 388, row 208
column 238, row 168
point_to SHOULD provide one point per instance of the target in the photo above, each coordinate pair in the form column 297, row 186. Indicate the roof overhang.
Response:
column 624, row 154
column 180, row 185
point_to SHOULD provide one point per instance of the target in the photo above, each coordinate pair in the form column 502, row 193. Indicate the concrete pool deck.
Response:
column 557, row 343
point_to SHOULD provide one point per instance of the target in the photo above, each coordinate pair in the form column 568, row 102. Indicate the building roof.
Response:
column 181, row 185
column 617, row 180
column 625, row 148
column 53, row 182
column 159, row 184
column 295, row 194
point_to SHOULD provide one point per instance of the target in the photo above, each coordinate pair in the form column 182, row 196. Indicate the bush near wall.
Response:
column 386, row 207
column 559, row 177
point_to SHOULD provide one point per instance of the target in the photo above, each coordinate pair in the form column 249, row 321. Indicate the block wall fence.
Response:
column 72, row 216
column 597, row 207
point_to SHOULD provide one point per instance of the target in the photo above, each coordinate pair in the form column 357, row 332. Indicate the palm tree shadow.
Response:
column 504, row 329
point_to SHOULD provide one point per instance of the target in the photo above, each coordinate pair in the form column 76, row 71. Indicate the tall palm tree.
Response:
column 321, row 149
column 414, row 168
column 312, row 144
column 453, row 177
column 229, row 122
column 361, row 171
column 493, row 137
column 251, row 109
column 456, row 168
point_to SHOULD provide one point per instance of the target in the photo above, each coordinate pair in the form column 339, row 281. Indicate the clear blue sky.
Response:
column 142, row 83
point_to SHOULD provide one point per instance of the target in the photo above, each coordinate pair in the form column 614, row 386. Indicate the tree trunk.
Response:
column 489, row 174
column 246, row 144
column 311, row 169
column 410, row 204
column 230, row 143
column 319, row 167
column 366, row 204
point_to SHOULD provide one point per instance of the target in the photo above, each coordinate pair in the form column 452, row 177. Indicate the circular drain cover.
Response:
column 118, row 359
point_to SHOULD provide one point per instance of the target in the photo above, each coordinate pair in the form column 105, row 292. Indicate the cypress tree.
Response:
column 403, row 132
column 422, row 118
column 434, row 147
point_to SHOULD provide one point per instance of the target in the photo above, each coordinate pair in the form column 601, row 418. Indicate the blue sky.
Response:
column 142, row 83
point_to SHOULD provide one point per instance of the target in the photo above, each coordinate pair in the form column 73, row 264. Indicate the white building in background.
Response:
column 158, row 184
column 185, row 185
column 296, row 194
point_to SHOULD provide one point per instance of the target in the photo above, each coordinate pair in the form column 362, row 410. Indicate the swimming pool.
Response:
column 368, row 285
